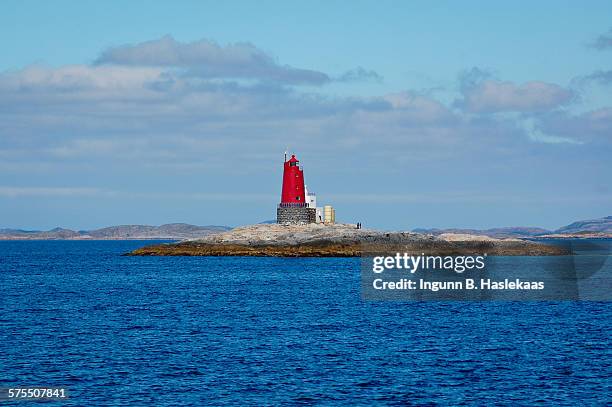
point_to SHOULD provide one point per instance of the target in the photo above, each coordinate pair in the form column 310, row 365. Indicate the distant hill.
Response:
column 602, row 225
column 506, row 232
column 122, row 232
column 593, row 226
column 179, row 231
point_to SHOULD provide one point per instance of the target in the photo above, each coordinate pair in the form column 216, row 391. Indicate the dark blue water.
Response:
column 192, row 331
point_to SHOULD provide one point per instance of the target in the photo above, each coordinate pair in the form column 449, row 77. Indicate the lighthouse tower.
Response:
column 293, row 184
column 293, row 207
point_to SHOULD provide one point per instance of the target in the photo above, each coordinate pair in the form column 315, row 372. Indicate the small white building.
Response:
column 311, row 201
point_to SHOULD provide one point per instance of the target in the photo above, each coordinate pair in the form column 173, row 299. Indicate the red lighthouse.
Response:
column 294, row 207
column 293, row 194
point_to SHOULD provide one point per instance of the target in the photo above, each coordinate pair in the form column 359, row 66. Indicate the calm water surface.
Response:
column 192, row 331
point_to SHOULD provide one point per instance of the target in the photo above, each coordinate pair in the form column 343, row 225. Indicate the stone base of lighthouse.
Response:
column 295, row 215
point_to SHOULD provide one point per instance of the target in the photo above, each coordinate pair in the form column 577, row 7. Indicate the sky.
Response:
column 403, row 114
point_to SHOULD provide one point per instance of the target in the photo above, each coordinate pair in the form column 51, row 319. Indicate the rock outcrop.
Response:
column 340, row 240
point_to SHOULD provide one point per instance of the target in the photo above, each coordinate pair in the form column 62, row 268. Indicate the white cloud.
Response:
column 604, row 41
column 157, row 118
column 594, row 126
column 417, row 107
column 360, row 74
column 490, row 96
column 205, row 58
column 602, row 77
column 78, row 78
column 536, row 134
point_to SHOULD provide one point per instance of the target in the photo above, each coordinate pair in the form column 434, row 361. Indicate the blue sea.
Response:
column 117, row 330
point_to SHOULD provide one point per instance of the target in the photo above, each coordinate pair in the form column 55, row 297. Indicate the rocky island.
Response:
column 340, row 240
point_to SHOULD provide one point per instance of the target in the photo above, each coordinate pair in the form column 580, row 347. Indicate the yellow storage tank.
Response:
column 329, row 214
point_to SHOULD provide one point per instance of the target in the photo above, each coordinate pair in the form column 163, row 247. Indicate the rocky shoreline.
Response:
column 341, row 240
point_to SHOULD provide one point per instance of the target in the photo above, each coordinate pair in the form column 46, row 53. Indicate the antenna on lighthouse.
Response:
column 286, row 153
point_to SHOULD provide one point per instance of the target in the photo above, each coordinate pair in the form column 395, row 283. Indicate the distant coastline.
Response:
column 586, row 229
column 583, row 229
column 171, row 231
